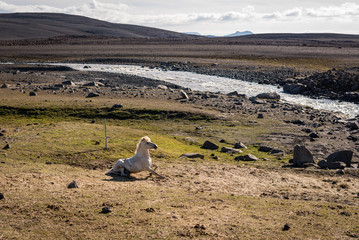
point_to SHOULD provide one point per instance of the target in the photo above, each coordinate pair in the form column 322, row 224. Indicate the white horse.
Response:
column 138, row 163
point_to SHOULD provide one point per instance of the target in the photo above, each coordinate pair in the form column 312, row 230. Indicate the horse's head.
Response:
column 146, row 143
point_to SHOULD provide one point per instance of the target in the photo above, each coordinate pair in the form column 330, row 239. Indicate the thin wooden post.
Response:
column 105, row 135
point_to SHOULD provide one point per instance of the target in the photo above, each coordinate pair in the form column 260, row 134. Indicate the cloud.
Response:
column 120, row 13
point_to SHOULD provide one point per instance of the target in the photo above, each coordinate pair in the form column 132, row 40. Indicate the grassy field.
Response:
column 56, row 139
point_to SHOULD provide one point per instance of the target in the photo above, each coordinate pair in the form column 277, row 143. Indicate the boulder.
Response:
column 240, row 145
column 116, row 106
column 231, row 150
column 265, row 149
column 163, row 87
column 94, row 84
column 73, row 184
column 353, row 125
column 192, row 155
column 302, row 156
column 4, row 86
column 210, row 145
column 341, row 156
column 68, row 82
column 314, row 135
column 7, row 146
column 92, row 94
column 277, row 151
column 294, row 88
column 106, row 210
column 248, row 157
column 32, row 94
column 270, row 95
column 184, row 95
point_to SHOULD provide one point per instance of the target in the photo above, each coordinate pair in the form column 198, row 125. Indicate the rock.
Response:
column 32, row 94
column 294, row 88
column 73, row 184
column 163, row 87
column 331, row 165
column 341, row 156
column 298, row 122
column 313, row 135
column 286, row 227
column 92, row 94
column 260, row 115
column 248, row 157
column 4, row 86
column 7, row 146
column 210, row 145
column 2, row 196
column 271, row 95
column 235, row 93
column 192, row 155
column 277, row 151
column 265, row 149
column 116, row 106
column 240, row 145
column 94, row 84
column 184, row 94
column 150, row 209
column 68, row 82
column 106, row 210
column 353, row 125
column 302, row 156
column 2, row 134
column 230, row 150
column 336, row 165
column 323, row 164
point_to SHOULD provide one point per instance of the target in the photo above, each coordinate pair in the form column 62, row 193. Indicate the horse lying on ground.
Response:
column 138, row 163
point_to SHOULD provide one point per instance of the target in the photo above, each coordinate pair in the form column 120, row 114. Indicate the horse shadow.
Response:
column 119, row 178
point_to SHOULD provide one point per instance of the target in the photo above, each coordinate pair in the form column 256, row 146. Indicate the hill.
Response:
column 17, row 26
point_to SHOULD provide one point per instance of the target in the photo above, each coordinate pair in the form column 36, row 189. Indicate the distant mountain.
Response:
column 238, row 33
column 15, row 26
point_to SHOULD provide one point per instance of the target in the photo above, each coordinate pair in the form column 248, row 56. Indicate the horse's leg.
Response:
column 117, row 168
column 154, row 167
column 152, row 171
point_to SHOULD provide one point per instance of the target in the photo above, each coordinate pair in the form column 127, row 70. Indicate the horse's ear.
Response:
column 145, row 138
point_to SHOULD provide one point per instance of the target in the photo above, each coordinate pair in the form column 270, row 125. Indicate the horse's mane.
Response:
column 147, row 139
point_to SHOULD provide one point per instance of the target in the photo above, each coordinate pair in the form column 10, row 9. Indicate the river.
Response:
column 208, row 83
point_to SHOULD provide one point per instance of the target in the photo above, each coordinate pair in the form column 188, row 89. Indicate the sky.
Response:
column 215, row 17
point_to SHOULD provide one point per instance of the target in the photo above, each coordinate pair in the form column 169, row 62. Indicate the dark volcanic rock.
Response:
column 7, row 146
column 265, row 149
column 240, row 145
column 73, row 184
column 248, row 157
column 68, row 82
column 32, row 94
column 2, row 196
column 314, row 135
column 210, row 145
column 4, row 86
column 301, row 156
column 91, row 94
column 106, row 210
column 230, row 150
column 341, row 156
column 271, row 95
column 192, row 155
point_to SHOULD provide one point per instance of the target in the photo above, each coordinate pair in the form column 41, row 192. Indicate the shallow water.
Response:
column 201, row 82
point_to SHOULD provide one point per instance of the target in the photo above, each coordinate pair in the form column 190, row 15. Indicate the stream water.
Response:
column 208, row 83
